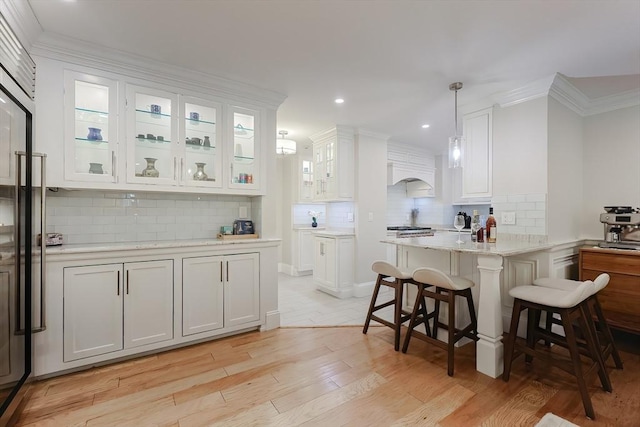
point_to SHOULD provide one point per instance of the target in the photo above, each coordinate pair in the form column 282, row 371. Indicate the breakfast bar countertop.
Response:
column 447, row 241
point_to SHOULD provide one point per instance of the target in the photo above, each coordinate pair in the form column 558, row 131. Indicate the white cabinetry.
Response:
column 333, row 270
column 477, row 169
column 242, row 289
column 303, row 251
column 91, row 128
column 202, row 294
column 333, row 157
column 114, row 306
column 304, row 178
column 124, row 133
column 219, row 291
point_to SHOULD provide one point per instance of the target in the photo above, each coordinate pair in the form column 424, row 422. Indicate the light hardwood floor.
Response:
column 321, row 377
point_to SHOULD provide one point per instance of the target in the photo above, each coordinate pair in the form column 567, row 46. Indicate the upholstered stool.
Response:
column 435, row 284
column 599, row 327
column 393, row 277
column 568, row 305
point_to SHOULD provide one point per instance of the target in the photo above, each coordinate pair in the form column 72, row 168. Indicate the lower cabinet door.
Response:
column 242, row 289
column 92, row 310
column 202, row 294
column 148, row 302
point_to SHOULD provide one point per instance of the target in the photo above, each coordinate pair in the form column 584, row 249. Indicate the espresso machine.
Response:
column 621, row 227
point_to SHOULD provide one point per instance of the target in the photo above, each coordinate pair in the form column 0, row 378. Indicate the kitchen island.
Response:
column 483, row 263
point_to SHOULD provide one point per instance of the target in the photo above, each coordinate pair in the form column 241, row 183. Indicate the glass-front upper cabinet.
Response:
column 245, row 148
column 201, row 161
column 152, row 135
column 91, row 124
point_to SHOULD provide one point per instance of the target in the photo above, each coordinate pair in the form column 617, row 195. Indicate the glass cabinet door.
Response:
column 319, row 171
column 306, row 180
column 245, row 156
column 330, row 168
column 201, row 161
column 90, row 128
column 151, row 136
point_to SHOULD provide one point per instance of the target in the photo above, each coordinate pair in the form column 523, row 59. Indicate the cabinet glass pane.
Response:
column 307, row 179
column 201, row 150
column 244, row 165
column 91, row 129
column 153, row 157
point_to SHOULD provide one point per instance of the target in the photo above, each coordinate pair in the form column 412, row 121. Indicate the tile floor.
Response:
column 301, row 304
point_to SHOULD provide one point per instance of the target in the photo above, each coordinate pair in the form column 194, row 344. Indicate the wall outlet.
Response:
column 350, row 216
column 508, row 218
column 243, row 212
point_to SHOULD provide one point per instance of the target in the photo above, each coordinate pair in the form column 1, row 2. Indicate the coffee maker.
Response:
column 621, row 227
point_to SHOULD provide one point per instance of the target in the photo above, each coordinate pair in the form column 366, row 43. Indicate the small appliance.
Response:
column 243, row 226
column 621, row 227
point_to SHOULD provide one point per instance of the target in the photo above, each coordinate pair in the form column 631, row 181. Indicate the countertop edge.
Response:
column 126, row 246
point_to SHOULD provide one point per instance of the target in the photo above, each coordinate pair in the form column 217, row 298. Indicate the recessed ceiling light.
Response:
column 339, row 101
column 424, row 126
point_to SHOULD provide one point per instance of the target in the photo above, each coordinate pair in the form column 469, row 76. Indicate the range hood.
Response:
column 420, row 180
column 409, row 173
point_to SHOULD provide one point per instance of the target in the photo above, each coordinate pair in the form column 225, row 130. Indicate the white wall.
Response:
column 564, row 194
column 371, row 200
column 520, row 148
column 611, row 165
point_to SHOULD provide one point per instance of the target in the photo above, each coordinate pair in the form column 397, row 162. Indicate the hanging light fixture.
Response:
column 285, row 146
column 456, row 142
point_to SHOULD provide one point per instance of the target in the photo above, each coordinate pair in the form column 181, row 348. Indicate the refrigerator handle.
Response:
column 43, row 225
column 16, row 239
column 43, row 232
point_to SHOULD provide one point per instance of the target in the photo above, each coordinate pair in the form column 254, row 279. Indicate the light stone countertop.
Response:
column 164, row 244
column 447, row 242
column 335, row 233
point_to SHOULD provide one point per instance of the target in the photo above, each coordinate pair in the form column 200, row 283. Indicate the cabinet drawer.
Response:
column 611, row 263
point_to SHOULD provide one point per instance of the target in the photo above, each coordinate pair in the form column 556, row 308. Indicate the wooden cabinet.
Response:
column 333, row 270
column 333, row 157
column 219, row 291
column 473, row 182
column 115, row 306
column 620, row 300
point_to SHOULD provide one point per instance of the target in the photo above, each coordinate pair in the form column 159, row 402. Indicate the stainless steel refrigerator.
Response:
column 22, row 217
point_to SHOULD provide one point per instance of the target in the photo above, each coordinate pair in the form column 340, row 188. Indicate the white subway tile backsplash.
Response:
column 104, row 217
column 526, row 206
column 536, row 197
column 516, row 198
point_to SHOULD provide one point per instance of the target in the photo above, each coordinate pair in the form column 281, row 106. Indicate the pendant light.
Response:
column 456, row 142
column 285, row 146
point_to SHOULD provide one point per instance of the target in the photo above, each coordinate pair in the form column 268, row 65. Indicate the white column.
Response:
column 489, row 349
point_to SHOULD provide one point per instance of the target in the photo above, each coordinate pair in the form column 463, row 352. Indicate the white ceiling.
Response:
column 392, row 61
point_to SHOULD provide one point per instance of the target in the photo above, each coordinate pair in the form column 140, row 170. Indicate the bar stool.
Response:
column 568, row 305
column 393, row 277
column 599, row 327
column 446, row 289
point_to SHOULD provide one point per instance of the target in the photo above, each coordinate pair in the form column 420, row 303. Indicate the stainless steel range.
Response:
column 410, row 231
column 621, row 227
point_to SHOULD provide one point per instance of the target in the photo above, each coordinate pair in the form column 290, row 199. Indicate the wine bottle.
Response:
column 492, row 228
column 475, row 225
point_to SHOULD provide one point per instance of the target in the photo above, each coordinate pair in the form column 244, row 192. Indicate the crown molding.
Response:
column 78, row 52
column 605, row 104
column 22, row 21
column 530, row 91
column 371, row 134
column 559, row 88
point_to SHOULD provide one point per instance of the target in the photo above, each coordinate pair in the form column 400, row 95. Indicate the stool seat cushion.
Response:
column 434, row 277
column 386, row 269
column 600, row 283
column 554, row 297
